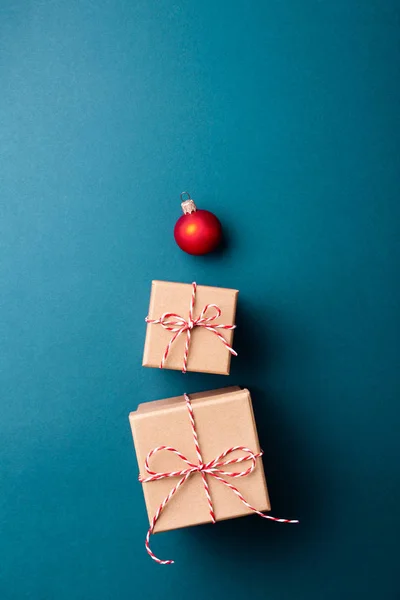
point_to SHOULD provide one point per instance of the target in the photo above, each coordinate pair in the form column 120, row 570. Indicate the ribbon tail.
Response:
column 186, row 351
column 157, row 516
column 168, row 348
column 244, row 501
column 221, row 337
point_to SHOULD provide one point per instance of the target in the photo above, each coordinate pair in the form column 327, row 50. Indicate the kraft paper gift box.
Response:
column 224, row 418
column 210, row 347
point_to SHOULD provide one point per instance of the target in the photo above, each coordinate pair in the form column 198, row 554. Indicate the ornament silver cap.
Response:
column 188, row 205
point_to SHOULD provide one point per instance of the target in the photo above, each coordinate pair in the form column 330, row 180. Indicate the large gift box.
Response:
column 190, row 327
column 199, row 458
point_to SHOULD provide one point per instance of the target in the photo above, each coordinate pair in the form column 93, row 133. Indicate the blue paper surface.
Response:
column 282, row 118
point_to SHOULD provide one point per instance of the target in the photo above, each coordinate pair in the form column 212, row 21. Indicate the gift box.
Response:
column 190, row 327
column 213, row 438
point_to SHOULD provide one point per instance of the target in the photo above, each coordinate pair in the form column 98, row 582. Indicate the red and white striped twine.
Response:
column 214, row 468
column 178, row 325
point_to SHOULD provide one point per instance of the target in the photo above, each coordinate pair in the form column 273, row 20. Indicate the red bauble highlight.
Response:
column 197, row 231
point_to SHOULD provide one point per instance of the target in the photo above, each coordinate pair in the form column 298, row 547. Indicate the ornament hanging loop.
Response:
column 188, row 206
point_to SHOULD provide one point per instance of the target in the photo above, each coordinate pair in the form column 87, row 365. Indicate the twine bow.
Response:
column 178, row 325
column 213, row 468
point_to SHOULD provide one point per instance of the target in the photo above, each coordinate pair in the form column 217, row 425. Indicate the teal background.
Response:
column 283, row 118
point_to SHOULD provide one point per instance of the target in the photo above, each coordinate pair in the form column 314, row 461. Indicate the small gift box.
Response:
column 199, row 460
column 190, row 327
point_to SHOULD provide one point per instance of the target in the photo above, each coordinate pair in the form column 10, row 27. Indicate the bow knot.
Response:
column 178, row 325
column 213, row 467
column 191, row 324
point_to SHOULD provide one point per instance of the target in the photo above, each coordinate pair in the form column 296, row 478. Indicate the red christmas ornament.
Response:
column 197, row 231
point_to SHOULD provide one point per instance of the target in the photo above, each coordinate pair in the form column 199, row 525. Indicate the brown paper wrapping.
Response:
column 224, row 418
column 207, row 354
